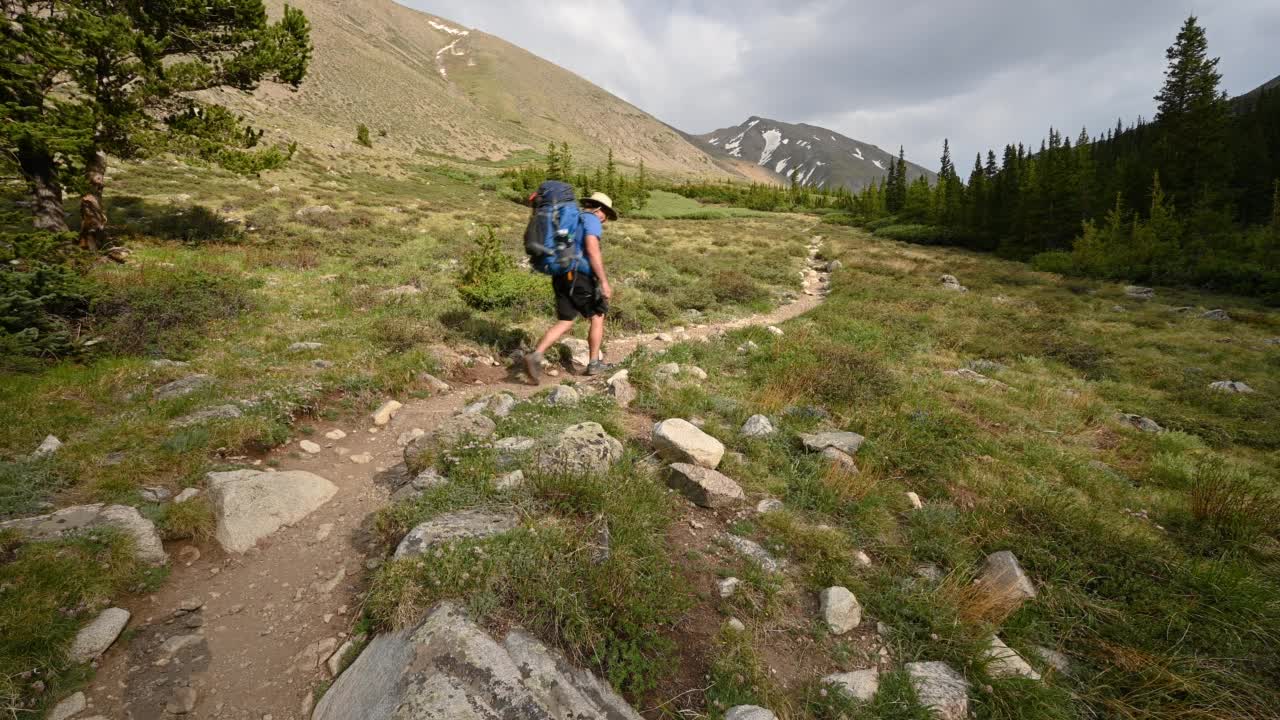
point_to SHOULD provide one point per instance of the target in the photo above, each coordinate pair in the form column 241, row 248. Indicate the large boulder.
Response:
column 582, row 449
column 250, row 505
column 461, row 525
column 680, row 441
column 94, row 638
column 126, row 519
column 421, row 452
column 846, row 442
column 941, row 689
column 447, row 668
column 704, row 486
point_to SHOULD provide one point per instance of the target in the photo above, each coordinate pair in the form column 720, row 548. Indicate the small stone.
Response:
column 769, row 505
column 775, row 331
column 1231, row 386
column 860, row 684
column 694, row 371
column 218, row 412
column 94, row 638
column 409, row 436
column 747, row 347
column 1054, row 659
column 728, row 586
column 705, row 487
column 1003, row 662
column 68, row 708
column 188, row 555
column 1139, row 292
column 914, row 499
column 384, row 414
column 177, row 643
column 304, row 347
column 622, row 392
column 753, row 551
column 361, row 459
column 847, row 442
column 1004, row 580
column 183, row 387
column 680, row 441
column 1217, row 315
column 434, row 383
column 941, row 689
column 310, row 447
column 1144, row 424
column 564, row 396
column 757, row 426
column 186, row 494
column 862, row 558
column 502, row 404
column 335, row 434
column 49, row 446
column 155, row 494
column 453, row 526
column 510, row 481
column 950, row 282
column 840, row 459
column 749, row 712
column 840, row 610
column 736, row 625
column 664, row 338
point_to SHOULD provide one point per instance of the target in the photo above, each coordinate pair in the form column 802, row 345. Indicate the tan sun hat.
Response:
column 602, row 201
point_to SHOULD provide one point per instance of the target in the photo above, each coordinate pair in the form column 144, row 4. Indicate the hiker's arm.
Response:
column 597, row 265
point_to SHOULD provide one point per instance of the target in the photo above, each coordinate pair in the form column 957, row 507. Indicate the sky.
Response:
column 982, row 73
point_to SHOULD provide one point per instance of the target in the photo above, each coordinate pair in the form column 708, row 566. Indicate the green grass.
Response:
column 664, row 205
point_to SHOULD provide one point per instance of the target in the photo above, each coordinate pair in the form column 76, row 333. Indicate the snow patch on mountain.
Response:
column 714, row 141
column 857, row 152
column 879, row 164
column 781, row 166
column 772, row 139
column 445, row 28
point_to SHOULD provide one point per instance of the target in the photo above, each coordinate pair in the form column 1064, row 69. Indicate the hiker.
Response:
column 583, row 291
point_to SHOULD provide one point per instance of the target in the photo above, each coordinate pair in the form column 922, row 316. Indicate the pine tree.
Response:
column 79, row 80
column 610, row 176
column 362, row 135
column 554, row 168
column 566, row 162
column 1192, row 116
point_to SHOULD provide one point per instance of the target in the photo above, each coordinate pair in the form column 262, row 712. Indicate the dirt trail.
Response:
column 268, row 619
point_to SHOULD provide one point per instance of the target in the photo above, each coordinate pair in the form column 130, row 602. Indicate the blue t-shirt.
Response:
column 590, row 226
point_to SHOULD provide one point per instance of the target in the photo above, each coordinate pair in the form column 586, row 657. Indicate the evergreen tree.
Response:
column 362, row 135
column 554, row 168
column 610, row 176
column 1193, row 116
column 80, row 79
column 566, row 161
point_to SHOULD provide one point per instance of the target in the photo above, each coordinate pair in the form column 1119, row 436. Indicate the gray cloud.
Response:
column 981, row 72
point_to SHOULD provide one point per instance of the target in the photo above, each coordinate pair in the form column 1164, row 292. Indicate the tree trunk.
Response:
column 46, row 193
column 93, row 217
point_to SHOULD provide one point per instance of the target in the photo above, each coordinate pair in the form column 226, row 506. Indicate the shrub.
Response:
column 43, row 291
column 491, row 280
column 1055, row 261
column 1235, row 507
column 362, row 135
column 735, row 286
column 915, row 233
column 166, row 311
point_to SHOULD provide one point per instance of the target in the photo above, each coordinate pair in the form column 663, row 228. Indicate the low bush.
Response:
column 735, row 286
column 167, row 311
column 43, row 295
column 491, row 280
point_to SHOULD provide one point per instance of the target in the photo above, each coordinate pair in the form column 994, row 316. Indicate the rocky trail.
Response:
column 252, row 635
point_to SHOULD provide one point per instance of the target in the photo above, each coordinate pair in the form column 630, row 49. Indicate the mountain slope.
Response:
column 825, row 158
column 438, row 88
column 1247, row 100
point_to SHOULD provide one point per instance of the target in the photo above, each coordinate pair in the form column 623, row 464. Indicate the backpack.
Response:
column 553, row 239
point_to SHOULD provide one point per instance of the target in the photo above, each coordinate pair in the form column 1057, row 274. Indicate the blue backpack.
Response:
column 553, row 239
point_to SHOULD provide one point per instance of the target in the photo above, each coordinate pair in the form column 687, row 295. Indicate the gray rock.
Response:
column 155, row 494
column 434, row 383
column 509, row 481
column 859, row 684
column 840, row 610
column 68, row 708
column 728, row 586
column 579, row 353
column 847, row 442
column 218, row 412
column 564, row 396
column 1003, row 662
column 694, row 372
column 975, row 377
column 928, row 572
column 510, row 450
column 757, row 426
column 775, row 331
column 680, row 441
column 1231, row 386
column 94, row 638
column 1217, row 315
column 753, row 551
column 1004, row 581
column 447, row 668
column 249, row 505
column 187, row 494
column 313, row 210
column 1054, row 659
column 48, row 446
column 769, row 505
column 386, row 412
column 304, row 347
column 582, row 449
column 182, row 702
column 840, row 459
column 986, row 366
column 834, row 265
column 502, row 404
column 177, row 643
column 949, row 282
column 419, row 453
column 622, row 392
column 464, row 524
column 1141, row 293
column 425, row 480
column 164, row 363
column 748, row 347
column 126, row 519
column 1144, row 424
column 666, row 371
column 749, row 712
column 941, row 689
column 183, row 387
column 735, row 625
column 704, row 486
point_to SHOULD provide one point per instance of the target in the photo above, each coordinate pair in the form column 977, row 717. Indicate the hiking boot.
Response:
column 533, row 366
column 598, row 367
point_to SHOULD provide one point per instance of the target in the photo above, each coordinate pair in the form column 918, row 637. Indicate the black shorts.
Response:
column 579, row 297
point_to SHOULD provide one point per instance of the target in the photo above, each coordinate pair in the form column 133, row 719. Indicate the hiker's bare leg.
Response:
column 595, row 336
column 554, row 333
